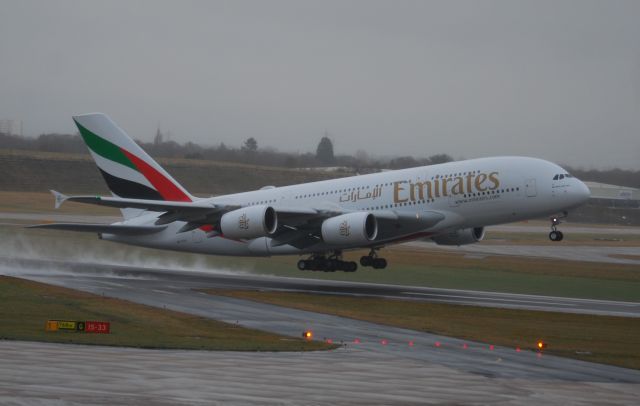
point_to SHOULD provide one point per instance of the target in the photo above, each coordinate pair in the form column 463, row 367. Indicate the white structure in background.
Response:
column 8, row 127
column 623, row 195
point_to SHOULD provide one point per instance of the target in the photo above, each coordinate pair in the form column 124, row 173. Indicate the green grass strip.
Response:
column 603, row 339
column 26, row 306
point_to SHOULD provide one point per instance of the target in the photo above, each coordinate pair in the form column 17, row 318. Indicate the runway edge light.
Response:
column 307, row 335
column 541, row 345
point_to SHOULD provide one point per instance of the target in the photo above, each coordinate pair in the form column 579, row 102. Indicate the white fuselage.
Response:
column 471, row 193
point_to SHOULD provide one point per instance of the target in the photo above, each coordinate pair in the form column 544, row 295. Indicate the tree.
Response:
column 324, row 153
column 440, row 159
column 250, row 145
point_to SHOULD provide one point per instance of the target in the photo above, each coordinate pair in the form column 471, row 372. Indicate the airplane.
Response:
column 450, row 204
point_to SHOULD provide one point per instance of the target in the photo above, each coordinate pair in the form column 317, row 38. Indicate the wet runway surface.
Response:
column 386, row 365
column 89, row 276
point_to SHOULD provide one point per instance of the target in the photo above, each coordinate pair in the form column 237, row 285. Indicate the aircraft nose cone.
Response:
column 582, row 192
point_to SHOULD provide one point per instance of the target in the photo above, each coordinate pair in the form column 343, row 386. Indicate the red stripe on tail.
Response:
column 167, row 189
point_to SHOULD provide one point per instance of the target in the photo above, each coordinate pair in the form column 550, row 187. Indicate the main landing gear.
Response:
column 555, row 235
column 332, row 263
column 373, row 260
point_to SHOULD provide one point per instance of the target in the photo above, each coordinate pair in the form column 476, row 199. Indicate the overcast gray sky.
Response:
column 554, row 79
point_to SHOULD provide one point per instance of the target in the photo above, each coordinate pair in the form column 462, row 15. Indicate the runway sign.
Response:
column 52, row 325
column 97, row 327
column 67, row 325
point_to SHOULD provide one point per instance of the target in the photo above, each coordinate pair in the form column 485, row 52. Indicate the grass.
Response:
column 27, row 305
column 603, row 339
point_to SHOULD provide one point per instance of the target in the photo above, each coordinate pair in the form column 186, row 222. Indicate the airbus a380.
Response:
column 449, row 203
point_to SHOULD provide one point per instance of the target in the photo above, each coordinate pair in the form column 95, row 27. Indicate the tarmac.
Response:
column 44, row 374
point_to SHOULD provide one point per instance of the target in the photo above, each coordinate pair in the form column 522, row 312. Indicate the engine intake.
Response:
column 460, row 237
column 350, row 229
column 249, row 222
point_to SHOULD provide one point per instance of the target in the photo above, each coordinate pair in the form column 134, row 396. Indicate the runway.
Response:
column 92, row 277
column 382, row 368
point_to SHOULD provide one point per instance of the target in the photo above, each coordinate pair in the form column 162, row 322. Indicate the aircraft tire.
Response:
column 303, row 265
column 560, row 236
column 553, row 236
column 366, row 260
column 379, row 263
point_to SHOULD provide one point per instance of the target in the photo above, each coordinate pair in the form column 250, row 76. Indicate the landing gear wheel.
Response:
column 379, row 263
column 366, row 260
column 331, row 265
column 303, row 265
column 556, row 235
column 351, row 266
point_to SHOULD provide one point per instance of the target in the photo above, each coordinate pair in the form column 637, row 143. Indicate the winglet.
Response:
column 60, row 198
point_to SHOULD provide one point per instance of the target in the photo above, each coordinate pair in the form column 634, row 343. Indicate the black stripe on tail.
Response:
column 128, row 189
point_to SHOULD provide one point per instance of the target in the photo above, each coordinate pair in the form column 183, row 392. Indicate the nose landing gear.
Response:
column 555, row 235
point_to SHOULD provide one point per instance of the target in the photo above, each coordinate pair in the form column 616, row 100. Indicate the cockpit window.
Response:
column 556, row 177
column 561, row 176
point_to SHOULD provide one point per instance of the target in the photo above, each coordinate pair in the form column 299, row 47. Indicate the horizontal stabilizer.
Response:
column 153, row 205
column 59, row 198
column 102, row 228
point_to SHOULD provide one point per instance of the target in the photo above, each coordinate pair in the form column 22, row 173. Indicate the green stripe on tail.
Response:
column 104, row 148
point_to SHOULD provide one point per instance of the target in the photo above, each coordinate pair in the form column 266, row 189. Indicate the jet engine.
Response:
column 460, row 237
column 249, row 222
column 350, row 229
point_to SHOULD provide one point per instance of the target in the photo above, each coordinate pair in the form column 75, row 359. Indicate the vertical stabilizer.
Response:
column 128, row 170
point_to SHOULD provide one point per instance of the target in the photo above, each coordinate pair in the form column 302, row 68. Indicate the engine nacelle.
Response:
column 249, row 222
column 350, row 229
column 460, row 237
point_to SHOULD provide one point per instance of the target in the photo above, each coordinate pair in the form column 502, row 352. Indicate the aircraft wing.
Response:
column 195, row 214
column 102, row 228
column 298, row 226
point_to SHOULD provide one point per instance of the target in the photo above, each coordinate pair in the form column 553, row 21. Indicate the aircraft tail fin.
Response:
column 128, row 170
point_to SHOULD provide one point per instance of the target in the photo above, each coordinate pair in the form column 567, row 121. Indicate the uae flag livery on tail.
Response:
column 128, row 170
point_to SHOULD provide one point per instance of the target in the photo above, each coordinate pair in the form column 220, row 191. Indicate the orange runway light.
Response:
column 541, row 345
column 307, row 335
